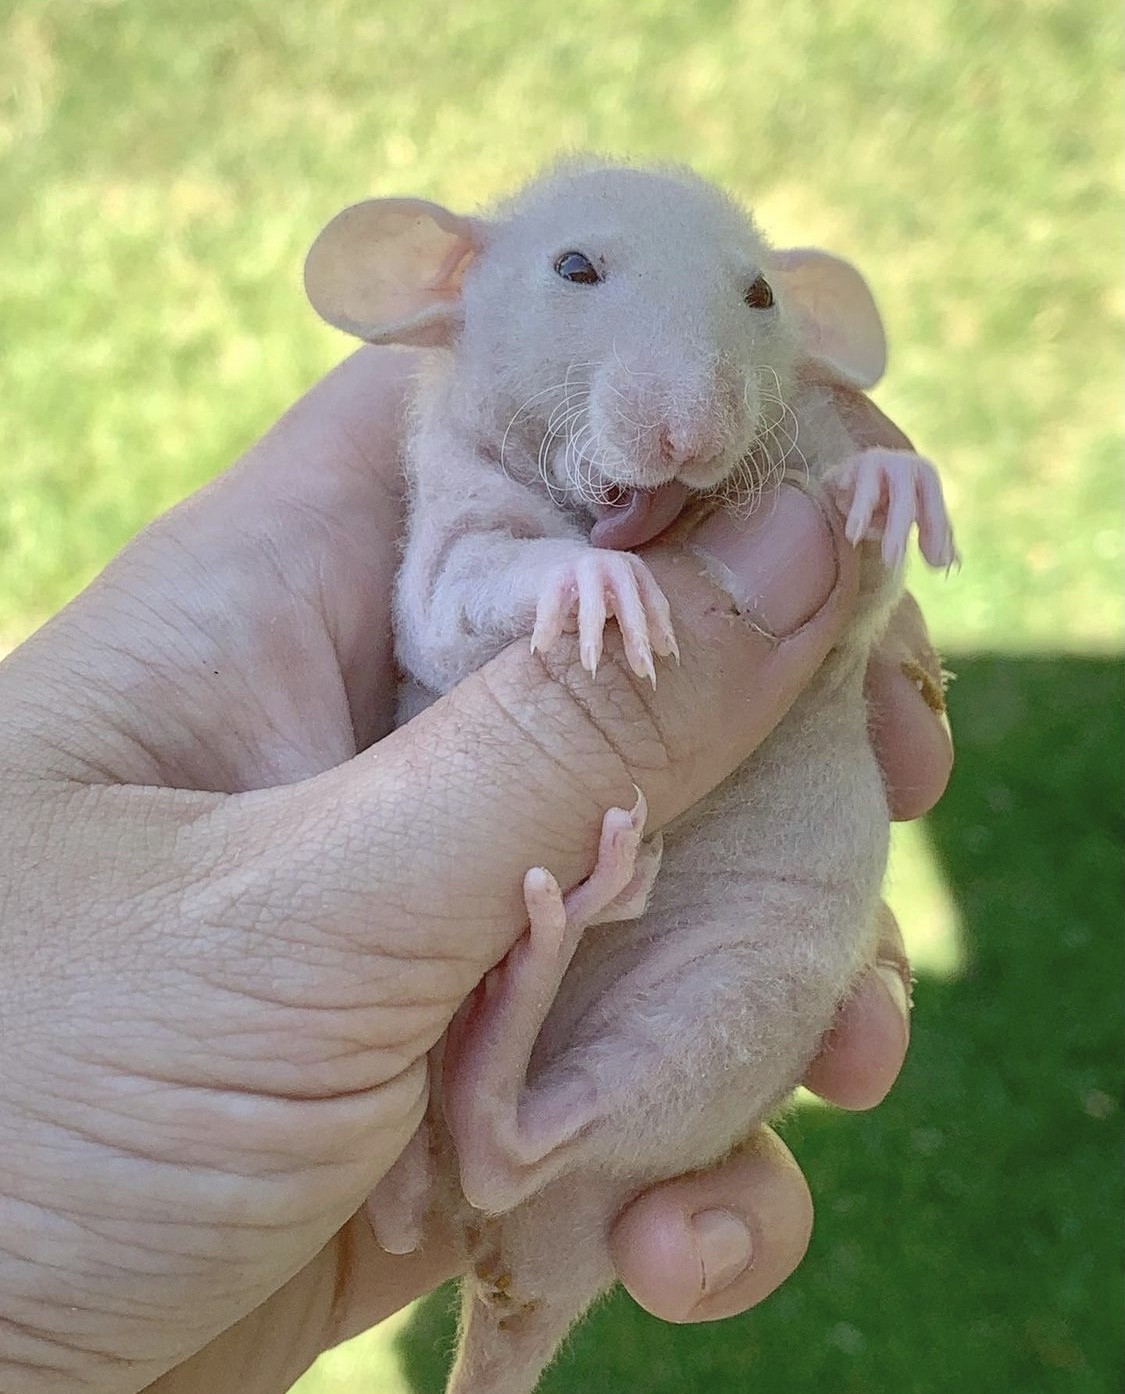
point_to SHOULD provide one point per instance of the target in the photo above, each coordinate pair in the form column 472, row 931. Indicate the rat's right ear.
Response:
column 390, row 270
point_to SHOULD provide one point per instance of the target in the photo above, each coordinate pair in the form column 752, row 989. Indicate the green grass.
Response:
column 163, row 166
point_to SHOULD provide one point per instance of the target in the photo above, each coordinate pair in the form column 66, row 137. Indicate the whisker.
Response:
column 772, row 451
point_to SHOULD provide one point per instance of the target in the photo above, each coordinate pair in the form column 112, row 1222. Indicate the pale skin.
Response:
column 229, row 940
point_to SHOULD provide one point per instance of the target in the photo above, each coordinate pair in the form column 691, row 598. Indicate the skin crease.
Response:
column 170, row 673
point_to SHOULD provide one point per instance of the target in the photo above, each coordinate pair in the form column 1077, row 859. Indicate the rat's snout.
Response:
column 654, row 424
column 694, row 441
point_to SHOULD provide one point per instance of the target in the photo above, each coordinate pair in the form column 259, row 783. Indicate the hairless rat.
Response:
column 611, row 344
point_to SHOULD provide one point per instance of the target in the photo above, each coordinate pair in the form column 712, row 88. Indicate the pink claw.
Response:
column 595, row 584
column 883, row 494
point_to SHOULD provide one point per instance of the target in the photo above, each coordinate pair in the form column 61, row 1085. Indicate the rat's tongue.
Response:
column 641, row 514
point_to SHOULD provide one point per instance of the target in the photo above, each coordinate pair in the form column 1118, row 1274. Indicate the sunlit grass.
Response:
column 368, row 1363
column 918, row 891
column 166, row 164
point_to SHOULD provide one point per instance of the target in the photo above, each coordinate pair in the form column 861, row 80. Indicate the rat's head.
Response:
column 634, row 320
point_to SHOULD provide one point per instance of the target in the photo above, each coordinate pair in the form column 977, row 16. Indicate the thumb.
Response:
column 407, row 862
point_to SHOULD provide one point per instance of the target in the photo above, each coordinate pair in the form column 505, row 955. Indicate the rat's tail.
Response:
column 505, row 1351
column 535, row 1271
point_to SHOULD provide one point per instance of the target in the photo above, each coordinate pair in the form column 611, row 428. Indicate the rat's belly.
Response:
column 693, row 1021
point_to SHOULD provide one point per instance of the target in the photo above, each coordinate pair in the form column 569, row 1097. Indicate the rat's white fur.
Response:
column 672, row 1035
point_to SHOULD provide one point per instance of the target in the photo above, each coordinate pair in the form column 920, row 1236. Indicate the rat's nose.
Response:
column 687, row 444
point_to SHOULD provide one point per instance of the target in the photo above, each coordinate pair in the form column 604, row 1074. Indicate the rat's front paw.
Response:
column 883, row 493
column 583, row 591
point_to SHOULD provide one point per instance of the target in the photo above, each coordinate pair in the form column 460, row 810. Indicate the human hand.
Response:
column 230, row 939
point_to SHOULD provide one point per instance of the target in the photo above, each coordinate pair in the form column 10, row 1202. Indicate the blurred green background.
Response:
column 164, row 165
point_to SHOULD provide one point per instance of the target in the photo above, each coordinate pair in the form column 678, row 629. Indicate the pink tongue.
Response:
column 642, row 514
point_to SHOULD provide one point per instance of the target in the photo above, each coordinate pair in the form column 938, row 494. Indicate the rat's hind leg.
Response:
column 631, row 903
column 510, row 1144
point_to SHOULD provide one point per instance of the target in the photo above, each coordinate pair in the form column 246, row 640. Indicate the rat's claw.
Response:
column 632, row 615
column 868, row 486
column 640, row 660
column 935, row 532
column 591, row 616
column 900, row 476
column 659, row 614
column 883, row 494
column 598, row 583
column 550, row 618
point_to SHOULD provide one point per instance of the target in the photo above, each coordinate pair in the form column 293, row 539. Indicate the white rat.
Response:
column 612, row 341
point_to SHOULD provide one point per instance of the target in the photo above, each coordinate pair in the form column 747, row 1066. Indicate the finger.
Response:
column 861, row 1056
column 714, row 1243
column 321, row 494
column 348, row 1287
column 417, row 849
column 906, row 715
column 333, row 459
column 299, row 540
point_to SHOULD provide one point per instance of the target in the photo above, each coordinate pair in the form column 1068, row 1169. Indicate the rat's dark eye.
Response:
column 760, row 295
column 573, row 266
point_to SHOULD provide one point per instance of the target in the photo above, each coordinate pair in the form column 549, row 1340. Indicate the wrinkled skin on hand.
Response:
column 232, row 925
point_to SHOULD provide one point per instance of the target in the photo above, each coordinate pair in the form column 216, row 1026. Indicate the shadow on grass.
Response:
column 968, row 1230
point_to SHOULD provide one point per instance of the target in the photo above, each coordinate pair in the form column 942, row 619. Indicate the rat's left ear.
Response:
column 837, row 322
column 390, row 270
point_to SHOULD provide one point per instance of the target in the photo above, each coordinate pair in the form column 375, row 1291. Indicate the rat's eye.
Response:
column 573, row 266
column 760, row 295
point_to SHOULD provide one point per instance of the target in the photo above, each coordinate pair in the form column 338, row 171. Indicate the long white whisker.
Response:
column 558, row 426
column 772, row 450
column 521, row 409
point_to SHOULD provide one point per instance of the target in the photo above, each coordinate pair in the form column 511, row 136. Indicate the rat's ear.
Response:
column 837, row 321
column 390, row 270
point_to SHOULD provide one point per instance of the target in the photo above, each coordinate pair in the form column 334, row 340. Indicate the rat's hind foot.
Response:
column 583, row 591
column 509, row 1139
column 633, row 900
column 883, row 493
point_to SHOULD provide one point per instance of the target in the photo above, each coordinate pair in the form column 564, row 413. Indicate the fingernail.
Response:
column 723, row 1244
column 892, row 976
column 779, row 566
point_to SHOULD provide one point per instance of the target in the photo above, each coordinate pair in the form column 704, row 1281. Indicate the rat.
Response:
column 615, row 348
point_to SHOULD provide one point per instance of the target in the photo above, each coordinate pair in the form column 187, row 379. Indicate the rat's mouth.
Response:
column 635, row 516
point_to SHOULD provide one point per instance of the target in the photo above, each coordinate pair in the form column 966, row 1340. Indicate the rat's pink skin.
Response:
column 882, row 494
column 507, row 1147
column 626, row 1038
column 595, row 584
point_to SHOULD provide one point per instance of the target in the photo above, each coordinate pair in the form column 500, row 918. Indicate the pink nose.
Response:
column 682, row 445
